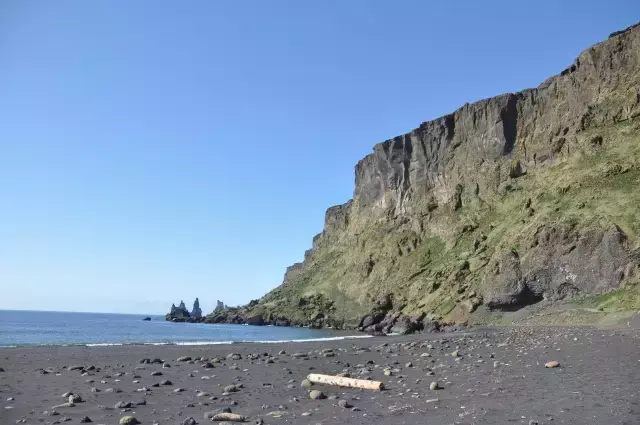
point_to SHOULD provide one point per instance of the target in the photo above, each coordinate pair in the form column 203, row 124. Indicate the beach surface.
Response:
column 487, row 376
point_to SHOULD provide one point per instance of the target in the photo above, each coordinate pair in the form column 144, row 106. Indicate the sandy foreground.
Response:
column 497, row 376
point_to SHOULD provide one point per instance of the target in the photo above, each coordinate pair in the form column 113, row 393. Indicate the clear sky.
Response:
column 153, row 151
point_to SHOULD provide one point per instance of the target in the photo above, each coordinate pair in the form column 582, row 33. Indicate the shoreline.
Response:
column 484, row 376
column 193, row 343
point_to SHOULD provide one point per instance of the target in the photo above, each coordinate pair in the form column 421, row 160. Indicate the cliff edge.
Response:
column 522, row 199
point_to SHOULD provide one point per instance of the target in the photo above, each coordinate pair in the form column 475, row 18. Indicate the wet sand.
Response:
column 497, row 377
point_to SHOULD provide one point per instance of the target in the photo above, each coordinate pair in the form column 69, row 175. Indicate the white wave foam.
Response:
column 279, row 341
column 329, row 338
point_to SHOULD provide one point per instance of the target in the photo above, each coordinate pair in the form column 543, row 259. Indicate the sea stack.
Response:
column 178, row 314
column 196, row 313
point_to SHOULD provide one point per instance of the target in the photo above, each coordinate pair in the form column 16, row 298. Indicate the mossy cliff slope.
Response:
column 504, row 203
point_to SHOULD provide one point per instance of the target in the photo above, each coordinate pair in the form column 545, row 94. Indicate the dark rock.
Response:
column 123, row 405
column 196, row 312
column 179, row 313
column 256, row 320
column 147, row 319
column 406, row 325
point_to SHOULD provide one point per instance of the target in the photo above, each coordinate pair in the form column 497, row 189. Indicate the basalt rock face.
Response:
column 505, row 202
column 181, row 314
column 196, row 312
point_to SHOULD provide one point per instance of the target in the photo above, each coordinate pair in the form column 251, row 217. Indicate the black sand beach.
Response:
column 496, row 376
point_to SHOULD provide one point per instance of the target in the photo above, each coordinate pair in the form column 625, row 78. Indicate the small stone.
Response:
column 434, row 386
column 128, row 420
column 408, row 364
column 166, row 382
column 178, row 390
column 189, row 421
column 425, row 355
column 211, row 414
column 432, row 400
column 455, row 354
column 306, row 414
column 316, row 395
column 184, row 359
column 156, row 373
column 73, row 398
column 203, row 394
column 67, row 394
column 85, row 420
column 234, row 356
column 230, row 389
column 122, row 405
column 306, row 383
column 552, row 364
column 344, row 404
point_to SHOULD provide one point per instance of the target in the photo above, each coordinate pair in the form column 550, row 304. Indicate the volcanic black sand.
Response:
column 496, row 376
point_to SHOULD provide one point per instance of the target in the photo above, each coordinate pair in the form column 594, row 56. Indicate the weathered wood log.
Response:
column 232, row 417
column 345, row 382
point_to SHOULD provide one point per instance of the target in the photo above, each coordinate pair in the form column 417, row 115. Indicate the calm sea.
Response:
column 19, row 328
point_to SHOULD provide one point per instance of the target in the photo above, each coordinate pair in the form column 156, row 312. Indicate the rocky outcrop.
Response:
column 560, row 262
column 196, row 312
column 513, row 200
column 181, row 314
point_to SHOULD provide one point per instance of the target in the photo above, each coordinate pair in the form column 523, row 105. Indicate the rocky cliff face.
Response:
column 181, row 314
column 196, row 312
column 503, row 203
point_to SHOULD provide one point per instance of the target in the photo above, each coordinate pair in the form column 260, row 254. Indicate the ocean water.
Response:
column 21, row 328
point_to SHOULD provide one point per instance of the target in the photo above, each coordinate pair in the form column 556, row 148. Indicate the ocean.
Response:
column 28, row 328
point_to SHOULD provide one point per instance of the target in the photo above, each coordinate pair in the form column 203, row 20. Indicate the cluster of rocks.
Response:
column 382, row 320
column 181, row 314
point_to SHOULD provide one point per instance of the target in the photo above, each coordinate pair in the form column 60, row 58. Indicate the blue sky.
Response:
column 153, row 151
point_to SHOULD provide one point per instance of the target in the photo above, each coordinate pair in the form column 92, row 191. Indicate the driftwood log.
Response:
column 339, row 381
column 231, row 417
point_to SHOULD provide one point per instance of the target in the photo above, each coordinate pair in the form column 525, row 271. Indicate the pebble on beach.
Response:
column 316, row 395
column 128, row 420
